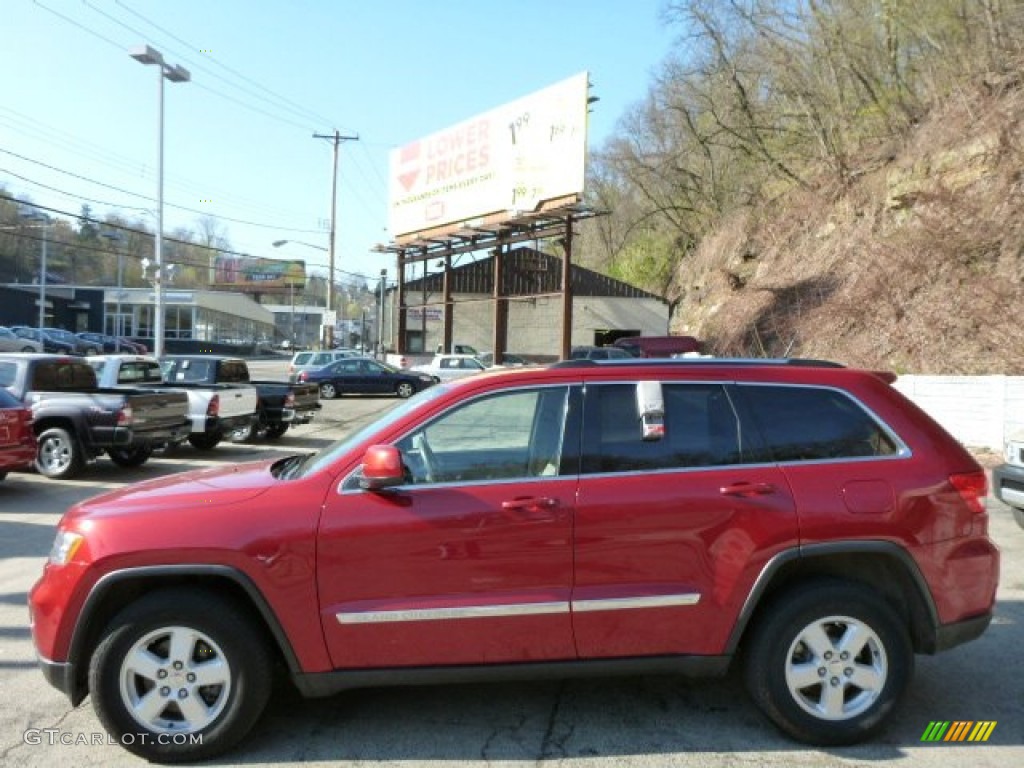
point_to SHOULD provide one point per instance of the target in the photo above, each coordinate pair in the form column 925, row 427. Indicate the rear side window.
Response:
column 234, row 372
column 701, row 430
column 813, row 424
column 302, row 358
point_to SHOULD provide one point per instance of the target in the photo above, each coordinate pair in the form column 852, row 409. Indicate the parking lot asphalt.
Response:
column 630, row 721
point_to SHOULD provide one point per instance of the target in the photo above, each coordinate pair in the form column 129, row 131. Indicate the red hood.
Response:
column 218, row 486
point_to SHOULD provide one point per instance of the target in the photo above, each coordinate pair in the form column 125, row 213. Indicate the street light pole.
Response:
column 176, row 74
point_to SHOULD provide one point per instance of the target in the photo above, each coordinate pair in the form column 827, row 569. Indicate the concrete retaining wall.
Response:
column 980, row 411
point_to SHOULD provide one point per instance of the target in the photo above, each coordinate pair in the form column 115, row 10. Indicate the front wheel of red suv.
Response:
column 180, row 676
column 828, row 662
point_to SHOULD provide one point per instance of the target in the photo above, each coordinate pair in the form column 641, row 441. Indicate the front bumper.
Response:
column 61, row 675
column 1008, row 484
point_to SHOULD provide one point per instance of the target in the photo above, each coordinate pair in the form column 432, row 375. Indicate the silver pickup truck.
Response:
column 215, row 411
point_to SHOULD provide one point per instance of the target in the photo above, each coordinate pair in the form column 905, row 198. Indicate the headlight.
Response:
column 65, row 546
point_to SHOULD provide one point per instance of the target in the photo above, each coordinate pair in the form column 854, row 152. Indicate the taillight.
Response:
column 124, row 416
column 213, row 407
column 303, row 377
column 289, row 400
column 972, row 487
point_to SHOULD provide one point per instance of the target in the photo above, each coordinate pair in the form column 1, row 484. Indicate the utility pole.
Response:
column 336, row 138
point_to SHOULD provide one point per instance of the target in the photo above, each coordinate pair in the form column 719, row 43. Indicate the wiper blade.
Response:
column 289, row 467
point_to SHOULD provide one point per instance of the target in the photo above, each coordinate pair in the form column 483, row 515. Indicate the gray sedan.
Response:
column 11, row 342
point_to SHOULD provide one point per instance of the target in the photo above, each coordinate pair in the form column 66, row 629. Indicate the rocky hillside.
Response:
column 917, row 266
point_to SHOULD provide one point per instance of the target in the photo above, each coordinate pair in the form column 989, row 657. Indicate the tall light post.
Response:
column 44, row 222
column 176, row 74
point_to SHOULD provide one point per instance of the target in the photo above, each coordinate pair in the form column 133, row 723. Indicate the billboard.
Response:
column 252, row 274
column 509, row 159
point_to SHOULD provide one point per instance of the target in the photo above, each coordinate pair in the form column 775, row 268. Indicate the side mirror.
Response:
column 382, row 468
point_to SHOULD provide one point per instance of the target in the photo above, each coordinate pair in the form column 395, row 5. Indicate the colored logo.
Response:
column 958, row 730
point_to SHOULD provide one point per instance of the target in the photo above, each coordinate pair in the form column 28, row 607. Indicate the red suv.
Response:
column 800, row 518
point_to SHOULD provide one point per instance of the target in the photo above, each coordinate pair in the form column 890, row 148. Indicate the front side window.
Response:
column 509, row 435
column 701, row 430
column 814, row 423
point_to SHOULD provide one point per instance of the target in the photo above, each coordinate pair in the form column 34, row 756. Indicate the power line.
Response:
column 147, row 234
column 299, row 107
column 147, row 197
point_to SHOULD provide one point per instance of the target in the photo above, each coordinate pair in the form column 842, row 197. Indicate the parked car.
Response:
column 80, row 346
column 50, row 343
column 221, row 401
column 311, row 360
column 450, row 367
column 363, row 376
column 1008, row 478
column 457, row 349
column 17, row 440
column 659, row 346
column 76, row 420
column 11, row 342
column 110, row 345
column 804, row 520
column 508, row 359
column 598, row 353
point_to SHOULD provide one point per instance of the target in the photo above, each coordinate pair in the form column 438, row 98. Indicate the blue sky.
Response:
column 266, row 75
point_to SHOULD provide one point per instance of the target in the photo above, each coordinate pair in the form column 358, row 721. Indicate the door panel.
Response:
column 670, row 533
column 456, row 567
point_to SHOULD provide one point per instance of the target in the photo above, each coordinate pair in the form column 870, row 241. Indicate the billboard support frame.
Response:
column 554, row 220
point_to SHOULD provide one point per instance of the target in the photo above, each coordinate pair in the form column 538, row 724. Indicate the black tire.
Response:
column 328, row 391
column 2, row 476
column 405, row 389
column 59, row 456
column 130, row 457
column 28, row 349
column 91, row 351
column 782, row 666
column 210, row 629
column 204, row 442
column 274, row 431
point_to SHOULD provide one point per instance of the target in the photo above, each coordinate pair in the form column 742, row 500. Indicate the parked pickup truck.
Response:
column 215, row 411
column 278, row 403
column 76, row 420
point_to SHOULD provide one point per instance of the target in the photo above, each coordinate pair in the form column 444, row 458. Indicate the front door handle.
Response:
column 529, row 504
column 745, row 490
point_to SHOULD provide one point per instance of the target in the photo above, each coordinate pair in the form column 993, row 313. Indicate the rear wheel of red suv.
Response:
column 180, row 676
column 828, row 662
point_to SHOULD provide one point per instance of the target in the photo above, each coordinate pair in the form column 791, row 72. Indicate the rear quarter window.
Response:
column 814, row 423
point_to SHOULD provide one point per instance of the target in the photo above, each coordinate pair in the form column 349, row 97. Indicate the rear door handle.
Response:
column 747, row 489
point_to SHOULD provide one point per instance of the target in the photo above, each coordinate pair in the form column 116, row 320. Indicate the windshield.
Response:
column 331, row 453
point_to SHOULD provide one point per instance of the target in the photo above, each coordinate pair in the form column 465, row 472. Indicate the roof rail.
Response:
column 649, row 361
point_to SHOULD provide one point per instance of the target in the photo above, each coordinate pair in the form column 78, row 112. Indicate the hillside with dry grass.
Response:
column 914, row 265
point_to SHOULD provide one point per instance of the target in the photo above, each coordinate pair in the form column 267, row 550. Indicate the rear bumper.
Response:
column 960, row 632
column 305, row 416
